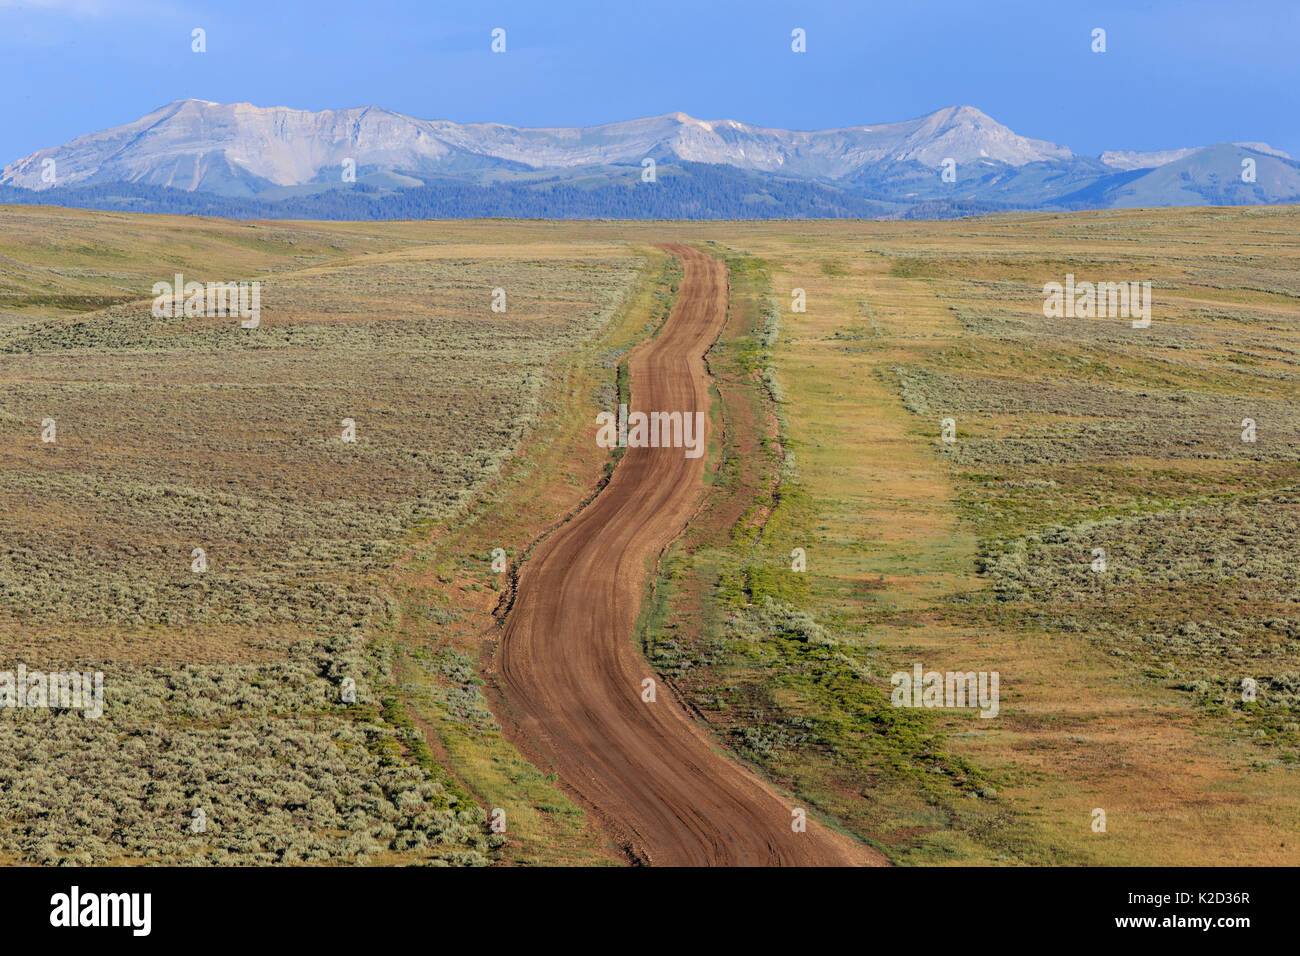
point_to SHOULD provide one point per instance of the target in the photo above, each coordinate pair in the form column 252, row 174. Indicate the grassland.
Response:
column 174, row 434
column 1121, row 689
column 451, row 595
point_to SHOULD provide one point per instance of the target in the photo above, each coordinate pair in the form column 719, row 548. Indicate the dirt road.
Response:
column 573, row 675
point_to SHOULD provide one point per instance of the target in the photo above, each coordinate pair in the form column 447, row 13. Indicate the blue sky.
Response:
column 1179, row 73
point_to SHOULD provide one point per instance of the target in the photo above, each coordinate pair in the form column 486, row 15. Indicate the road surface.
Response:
column 572, row 674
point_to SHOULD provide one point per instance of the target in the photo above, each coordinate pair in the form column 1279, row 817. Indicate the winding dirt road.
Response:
column 569, row 667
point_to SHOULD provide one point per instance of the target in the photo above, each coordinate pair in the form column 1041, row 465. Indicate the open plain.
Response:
column 1161, row 687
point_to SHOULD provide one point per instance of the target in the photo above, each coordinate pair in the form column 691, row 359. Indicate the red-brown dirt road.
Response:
column 572, row 675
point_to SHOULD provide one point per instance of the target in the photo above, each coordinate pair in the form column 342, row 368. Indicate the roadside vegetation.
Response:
column 747, row 639
column 1122, row 689
column 452, row 601
column 225, row 688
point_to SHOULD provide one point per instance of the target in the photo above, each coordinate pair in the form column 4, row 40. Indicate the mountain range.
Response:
column 196, row 156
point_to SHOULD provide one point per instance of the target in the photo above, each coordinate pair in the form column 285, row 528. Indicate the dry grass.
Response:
column 1073, row 434
column 175, row 434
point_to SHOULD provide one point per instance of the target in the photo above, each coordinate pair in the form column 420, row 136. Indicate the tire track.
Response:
column 572, row 675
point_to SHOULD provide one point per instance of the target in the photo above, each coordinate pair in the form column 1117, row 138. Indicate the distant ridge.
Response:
column 370, row 162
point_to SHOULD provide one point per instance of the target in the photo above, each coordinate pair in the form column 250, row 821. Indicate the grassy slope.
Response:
column 894, row 533
column 451, row 597
column 943, row 318
column 190, row 432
